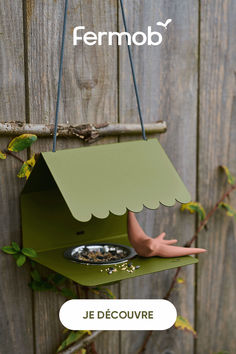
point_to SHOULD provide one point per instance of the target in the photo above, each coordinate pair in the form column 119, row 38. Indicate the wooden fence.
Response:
column 188, row 81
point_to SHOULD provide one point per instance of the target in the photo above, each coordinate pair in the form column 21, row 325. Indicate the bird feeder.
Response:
column 81, row 196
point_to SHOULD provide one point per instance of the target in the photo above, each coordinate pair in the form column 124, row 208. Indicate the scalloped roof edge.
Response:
column 114, row 178
column 109, row 212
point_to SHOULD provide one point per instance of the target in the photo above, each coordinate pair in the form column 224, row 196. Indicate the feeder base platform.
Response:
column 93, row 275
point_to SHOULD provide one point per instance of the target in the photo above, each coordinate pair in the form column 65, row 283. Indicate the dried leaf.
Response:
column 230, row 211
column 230, row 177
column 22, row 142
column 103, row 292
column 108, row 293
column 2, row 155
column 20, row 260
column 82, row 351
column 27, row 168
column 180, row 280
column 193, row 207
column 8, row 250
column 31, row 162
column 73, row 337
column 183, row 324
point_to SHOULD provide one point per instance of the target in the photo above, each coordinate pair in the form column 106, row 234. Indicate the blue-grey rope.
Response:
column 133, row 72
column 60, row 76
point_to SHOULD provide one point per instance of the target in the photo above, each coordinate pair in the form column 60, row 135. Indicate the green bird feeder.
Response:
column 75, row 203
column 81, row 197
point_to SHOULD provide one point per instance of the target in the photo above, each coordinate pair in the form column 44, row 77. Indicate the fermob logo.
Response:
column 152, row 38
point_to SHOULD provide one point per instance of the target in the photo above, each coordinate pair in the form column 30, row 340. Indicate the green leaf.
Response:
column 27, row 168
column 22, row 142
column 8, row 250
column 29, row 252
column 20, row 260
column 35, row 275
column 230, row 177
column 73, row 337
column 193, row 207
column 2, row 155
column 230, row 211
column 42, row 285
column 183, row 324
column 58, row 279
column 69, row 294
column 15, row 246
column 109, row 293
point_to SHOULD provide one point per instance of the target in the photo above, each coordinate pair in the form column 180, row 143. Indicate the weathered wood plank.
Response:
column 16, row 299
column 167, row 80
column 89, row 94
column 216, row 283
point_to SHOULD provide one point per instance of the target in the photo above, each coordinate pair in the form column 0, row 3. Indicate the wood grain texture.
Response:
column 88, row 86
column 89, row 94
column 167, row 80
column 216, row 289
column 97, row 87
column 16, row 305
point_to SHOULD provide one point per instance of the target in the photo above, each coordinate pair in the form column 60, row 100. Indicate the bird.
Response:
column 164, row 24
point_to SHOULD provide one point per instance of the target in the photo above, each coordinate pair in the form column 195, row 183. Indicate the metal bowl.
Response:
column 100, row 253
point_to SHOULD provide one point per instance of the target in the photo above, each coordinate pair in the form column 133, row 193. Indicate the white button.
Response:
column 112, row 315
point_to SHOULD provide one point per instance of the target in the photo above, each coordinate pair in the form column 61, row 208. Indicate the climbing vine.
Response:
column 80, row 340
column 16, row 145
column 203, row 217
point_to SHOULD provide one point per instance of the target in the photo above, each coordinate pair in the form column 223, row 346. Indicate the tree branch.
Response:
column 86, row 132
column 166, row 297
column 208, row 216
column 7, row 152
column 199, row 229
column 145, row 342
column 188, row 244
column 81, row 344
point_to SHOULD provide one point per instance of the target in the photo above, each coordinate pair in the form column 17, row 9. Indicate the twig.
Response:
column 86, row 132
column 82, row 343
column 91, row 349
column 211, row 212
column 172, row 284
column 188, row 244
column 77, row 287
column 199, row 229
column 13, row 155
column 145, row 342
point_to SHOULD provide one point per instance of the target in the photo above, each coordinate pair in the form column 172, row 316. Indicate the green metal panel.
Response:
column 48, row 224
column 81, row 196
column 116, row 177
column 91, row 275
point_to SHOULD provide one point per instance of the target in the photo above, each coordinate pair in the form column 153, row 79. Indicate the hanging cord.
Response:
column 60, row 75
column 59, row 79
column 133, row 72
